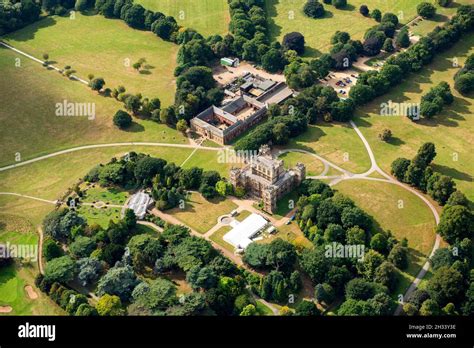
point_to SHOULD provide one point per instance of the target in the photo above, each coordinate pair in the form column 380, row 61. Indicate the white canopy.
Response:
column 240, row 236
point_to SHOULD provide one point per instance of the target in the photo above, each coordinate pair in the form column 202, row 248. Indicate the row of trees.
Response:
column 16, row 14
column 58, row 7
column 136, row 16
column 248, row 26
column 372, row 84
column 419, row 173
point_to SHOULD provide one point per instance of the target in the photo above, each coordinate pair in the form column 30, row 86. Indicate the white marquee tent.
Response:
column 242, row 233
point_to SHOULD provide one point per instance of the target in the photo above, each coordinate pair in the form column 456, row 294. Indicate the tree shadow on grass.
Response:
column 274, row 29
column 450, row 115
column 395, row 141
column 439, row 18
column 452, row 172
column 348, row 7
column 135, row 128
column 28, row 33
column 313, row 134
column 311, row 52
column 145, row 72
column 8, row 273
column 327, row 14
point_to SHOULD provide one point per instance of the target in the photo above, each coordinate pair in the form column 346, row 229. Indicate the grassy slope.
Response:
column 97, row 45
column 451, row 131
column 333, row 141
column 31, row 127
column 208, row 17
column 51, row 177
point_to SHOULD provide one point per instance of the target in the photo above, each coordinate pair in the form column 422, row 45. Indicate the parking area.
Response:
column 341, row 81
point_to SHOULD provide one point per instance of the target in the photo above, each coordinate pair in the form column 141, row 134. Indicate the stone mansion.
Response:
column 264, row 177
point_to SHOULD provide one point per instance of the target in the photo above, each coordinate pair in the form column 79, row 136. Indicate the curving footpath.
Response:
column 374, row 168
column 95, row 146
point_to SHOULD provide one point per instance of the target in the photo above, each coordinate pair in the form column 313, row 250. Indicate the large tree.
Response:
column 119, row 281
column 426, row 10
column 294, row 41
column 61, row 269
column 314, row 9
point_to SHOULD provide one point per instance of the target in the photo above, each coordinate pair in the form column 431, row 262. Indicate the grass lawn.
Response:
column 313, row 165
column 337, row 143
column 13, row 280
column 31, row 128
column 201, row 214
column 414, row 221
column 262, row 309
column 286, row 16
column 108, row 195
column 100, row 216
column 218, row 237
column 243, row 215
column 209, row 160
column 290, row 233
column 208, row 17
column 450, row 131
column 143, row 229
column 442, row 15
column 49, row 178
column 285, row 204
column 93, row 44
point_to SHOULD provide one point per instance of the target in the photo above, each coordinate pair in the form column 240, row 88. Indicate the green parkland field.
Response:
column 208, row 17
